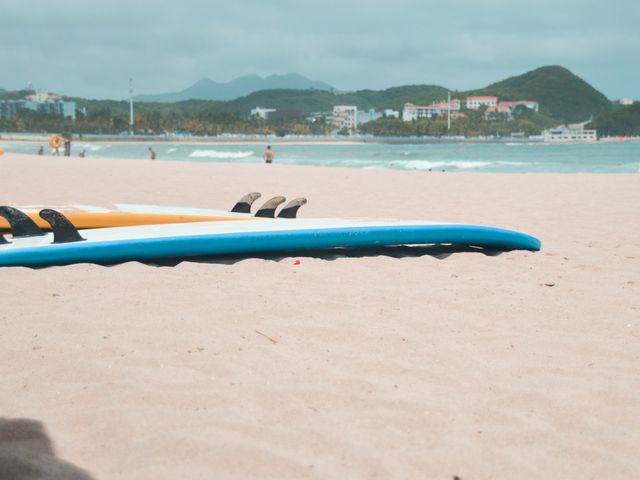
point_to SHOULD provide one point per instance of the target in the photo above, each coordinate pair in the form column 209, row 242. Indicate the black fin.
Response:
column 63, row 229
column 290, row 210
column 244, row 204
column 21, row 224
column 3, row 240
column 268, row 210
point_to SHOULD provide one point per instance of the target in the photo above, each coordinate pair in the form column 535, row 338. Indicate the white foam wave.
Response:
column 171, row 150
column 91, row 147
column 459, row 164
column 219, row 154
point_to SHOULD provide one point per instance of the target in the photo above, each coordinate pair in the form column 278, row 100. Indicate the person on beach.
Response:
column 152, row 153
column 268, row 155
column 82, row 153
column 41, row 150
column 67, row 146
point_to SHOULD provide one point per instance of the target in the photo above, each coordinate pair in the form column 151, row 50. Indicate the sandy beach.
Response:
column 411, row 364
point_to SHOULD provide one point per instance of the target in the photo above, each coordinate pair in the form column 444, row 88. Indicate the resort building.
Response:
column 414, row 112
column 9, row 108
column 626, row 101
column 41, row 96
column 570, row 133
column 474, row 103
column 262, row 112
column 509, row 107
column 345, row 116
column 389, row 113
column 368, row 116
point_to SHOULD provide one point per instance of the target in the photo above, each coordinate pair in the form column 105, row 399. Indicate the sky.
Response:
column 91, row 48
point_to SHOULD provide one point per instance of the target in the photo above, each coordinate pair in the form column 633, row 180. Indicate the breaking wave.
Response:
column 219, row 154
column 457, row 164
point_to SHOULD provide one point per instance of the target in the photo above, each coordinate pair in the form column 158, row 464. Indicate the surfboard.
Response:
column 115, row 218
column 184, row 240
column 124, row 215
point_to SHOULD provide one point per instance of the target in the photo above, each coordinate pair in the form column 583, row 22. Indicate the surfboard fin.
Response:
column 21, row 224
column 3, row 240
column 268, row 210
column 244, row 204
column 63, row 230
column 290, row 210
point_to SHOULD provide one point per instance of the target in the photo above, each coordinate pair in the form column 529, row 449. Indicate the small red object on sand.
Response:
column 297, row 262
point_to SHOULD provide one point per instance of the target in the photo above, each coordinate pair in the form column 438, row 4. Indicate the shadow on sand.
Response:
column 27, row 453
column 440, row 252
column 401, row 251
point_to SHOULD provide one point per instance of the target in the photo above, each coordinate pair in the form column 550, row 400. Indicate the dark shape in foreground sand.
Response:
column 27, row 453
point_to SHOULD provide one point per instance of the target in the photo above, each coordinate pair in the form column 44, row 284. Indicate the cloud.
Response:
column 93, row 49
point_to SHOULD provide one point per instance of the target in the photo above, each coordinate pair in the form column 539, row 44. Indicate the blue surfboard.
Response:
column 112, row 245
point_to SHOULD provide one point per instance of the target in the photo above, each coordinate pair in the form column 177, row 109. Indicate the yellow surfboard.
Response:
column 81, row 219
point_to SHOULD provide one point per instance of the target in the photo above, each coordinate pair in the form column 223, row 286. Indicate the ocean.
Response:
column 600, row 157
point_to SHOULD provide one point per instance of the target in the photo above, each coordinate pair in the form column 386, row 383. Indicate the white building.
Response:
column 9, row 108
column 389, row 113
column 345, row 116
column 509, row 107
column 368, row 116
column 414, row 112
column 262, row 112
column 41, row 96
column 474, row 103
column 626, row 101
column 574, row 132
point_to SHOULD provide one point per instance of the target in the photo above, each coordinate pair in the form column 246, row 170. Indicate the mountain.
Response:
column 561, row 94
column 207, row 89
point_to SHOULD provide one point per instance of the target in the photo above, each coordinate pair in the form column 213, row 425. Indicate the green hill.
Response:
column 622, row 121
column 561, row 94
column 308, row 101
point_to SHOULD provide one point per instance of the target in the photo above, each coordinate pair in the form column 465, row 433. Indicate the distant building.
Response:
column 509, row 107
column 345, row 116
column 262, row 112
column 9, row 108
column 625, row 101
column 570, row 133
column 368, row 116
column 41, row 96
column 414, row 112
column 372, row 115
column 474, row 103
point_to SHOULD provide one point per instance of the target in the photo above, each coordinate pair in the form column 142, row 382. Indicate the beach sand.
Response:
column 413, row 364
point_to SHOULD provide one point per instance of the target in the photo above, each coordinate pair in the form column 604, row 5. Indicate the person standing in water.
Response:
column 268, row 155
column 152, row 152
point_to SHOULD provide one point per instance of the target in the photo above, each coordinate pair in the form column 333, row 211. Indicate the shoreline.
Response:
column 253, row 140
column 188, row 140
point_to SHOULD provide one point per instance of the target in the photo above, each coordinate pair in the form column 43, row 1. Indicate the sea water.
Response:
column 598, row 157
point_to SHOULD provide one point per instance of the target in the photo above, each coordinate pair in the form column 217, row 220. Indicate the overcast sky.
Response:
column 91, row 48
